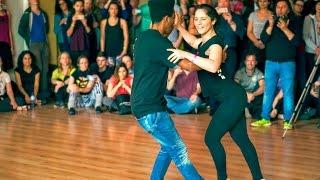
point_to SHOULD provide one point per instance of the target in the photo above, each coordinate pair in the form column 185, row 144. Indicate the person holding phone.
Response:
column 281, row 40
column 231, row 26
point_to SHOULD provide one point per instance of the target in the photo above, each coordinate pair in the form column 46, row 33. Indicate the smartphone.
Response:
column 222, row 10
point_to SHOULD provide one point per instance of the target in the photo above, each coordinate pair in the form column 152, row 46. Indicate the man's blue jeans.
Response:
column 182, row 105
column 285, row 72
column 161, row 127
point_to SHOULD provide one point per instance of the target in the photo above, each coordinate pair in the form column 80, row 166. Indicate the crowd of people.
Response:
column 271, row 48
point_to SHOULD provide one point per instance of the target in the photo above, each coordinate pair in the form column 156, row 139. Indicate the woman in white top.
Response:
column 256, row 22
column 311, row 36
column 7, row 100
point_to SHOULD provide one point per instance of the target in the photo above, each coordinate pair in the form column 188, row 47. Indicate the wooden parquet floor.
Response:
column 46, row 143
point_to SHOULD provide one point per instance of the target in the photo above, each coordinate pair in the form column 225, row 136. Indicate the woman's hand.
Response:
column 14, row 105
column 176, row 55
column 178, row 20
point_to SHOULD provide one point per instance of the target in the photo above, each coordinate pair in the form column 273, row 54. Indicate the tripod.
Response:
column 304, row 94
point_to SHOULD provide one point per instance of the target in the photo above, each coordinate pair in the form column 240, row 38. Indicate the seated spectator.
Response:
column 127, row 60
column 315, row 93
column 27, row 76
column 252, row 80
column 7, row 100
column 187, row 90
column 60, row 78
column 102, row 69
column 119, row 90
column 85, row 89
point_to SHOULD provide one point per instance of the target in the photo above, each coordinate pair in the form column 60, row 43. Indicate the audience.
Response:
column 33, row 28
column 119, row 89
column 187, row 90
column 127, row 60
column 27, row 76
column 256, row 22
column 85, row 89
column 8, row 102
column 78, row 32
column 280, row 39
column 60, row 78
column 252, row 80
column 85, row 27
column 114, row 34
column 62, row 12
column 6, row 39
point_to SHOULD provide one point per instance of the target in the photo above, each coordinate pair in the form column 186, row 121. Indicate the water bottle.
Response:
column 33, row 101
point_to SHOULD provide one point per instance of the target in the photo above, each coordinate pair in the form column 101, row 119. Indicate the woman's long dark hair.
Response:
column 20, row 59
column 116, row 72
column 58, row 10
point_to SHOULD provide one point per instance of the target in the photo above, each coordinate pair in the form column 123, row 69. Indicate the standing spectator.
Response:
column 100, row 12
column 94, row 26
column 78, row 32
column 62, row 12
column 27, row 76
column 6, row 41
column 125, row 9
column 281, row 41
column 256, row 22
column 187, row 88
column 33, row 27
column 114, row 34
column 7, row 100
column 231, row 27
column 252, row 80
column 60, row 78
column 311, row 36
column 301, row 75
column 85, row 90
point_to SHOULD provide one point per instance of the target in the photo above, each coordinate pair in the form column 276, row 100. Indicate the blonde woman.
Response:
column 60, row 78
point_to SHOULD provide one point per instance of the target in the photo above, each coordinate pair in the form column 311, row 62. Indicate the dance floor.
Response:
column 46, row 143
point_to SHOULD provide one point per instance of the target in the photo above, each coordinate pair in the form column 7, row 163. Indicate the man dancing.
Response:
column 149, row 85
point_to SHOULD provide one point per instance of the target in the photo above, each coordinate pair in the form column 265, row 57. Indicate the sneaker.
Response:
column 71, row 111
column 287, row 125
column 98, row 110
column 261, row 123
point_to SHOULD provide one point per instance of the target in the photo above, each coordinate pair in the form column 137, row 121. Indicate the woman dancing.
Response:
column 229, row 116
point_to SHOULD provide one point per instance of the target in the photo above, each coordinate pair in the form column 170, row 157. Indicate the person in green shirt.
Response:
column 149, row 85
column 60, row 79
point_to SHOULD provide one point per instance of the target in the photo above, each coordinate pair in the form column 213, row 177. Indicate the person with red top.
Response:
column 119, row 88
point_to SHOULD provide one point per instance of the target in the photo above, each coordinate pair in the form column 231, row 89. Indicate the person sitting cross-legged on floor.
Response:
column 187, row 90
column 85, row 89
column 60, row 78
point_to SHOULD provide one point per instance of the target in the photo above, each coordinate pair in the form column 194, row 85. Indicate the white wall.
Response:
column 16, row 8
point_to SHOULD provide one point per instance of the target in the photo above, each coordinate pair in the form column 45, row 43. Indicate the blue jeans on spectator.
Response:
column 273, row 72
column 182, row 105
column 161, row 127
